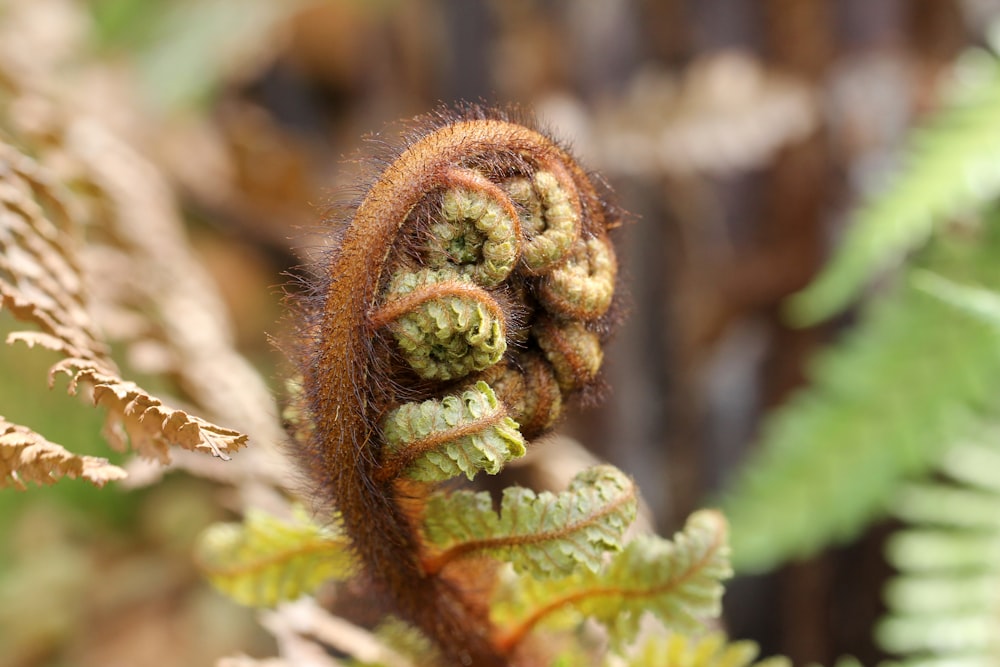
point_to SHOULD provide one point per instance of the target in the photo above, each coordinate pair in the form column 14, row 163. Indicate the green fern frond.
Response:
column 944, row 606
column 266, row 560
column 885, row 405
column 544, row 535
column 677, row 581
column 952, row 169
column 678, row 650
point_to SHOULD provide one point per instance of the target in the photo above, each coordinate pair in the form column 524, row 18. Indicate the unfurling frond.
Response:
column 945, row 602
column 543, row 534
column 952, row 169
column 41, row 283
column 712, row 650
column 465, row 306
column 678, row 581
column 26, row 456
column 266, row 560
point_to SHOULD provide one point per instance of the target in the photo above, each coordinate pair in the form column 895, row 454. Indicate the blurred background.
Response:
column 737, row 135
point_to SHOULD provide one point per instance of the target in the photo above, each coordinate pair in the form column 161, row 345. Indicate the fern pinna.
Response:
column 465, row 304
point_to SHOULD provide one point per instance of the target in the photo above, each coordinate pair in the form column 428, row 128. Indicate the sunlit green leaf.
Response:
column 266, row 560
column 545, row 534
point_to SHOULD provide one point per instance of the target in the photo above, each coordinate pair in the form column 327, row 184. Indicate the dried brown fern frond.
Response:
column 41, row 283
column 26, row 457
column 146, row 289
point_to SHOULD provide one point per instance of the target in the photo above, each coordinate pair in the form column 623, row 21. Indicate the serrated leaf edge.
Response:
column 594, row 587
column 469, row 548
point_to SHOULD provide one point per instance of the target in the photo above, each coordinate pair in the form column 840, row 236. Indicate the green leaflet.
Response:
column 907, row 383
column 436, row 440
column 944, row 604
column 885, row 404
column 679, row 581
column 544, row 535
column 266, row 560
column 676, row 650
column 953, row 169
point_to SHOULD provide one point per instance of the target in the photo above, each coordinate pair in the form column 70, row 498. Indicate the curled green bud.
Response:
column 550, row 222
column 529, row 389
column 477, row 233
column 582, row 287
column 574, row 352
column 445, row 326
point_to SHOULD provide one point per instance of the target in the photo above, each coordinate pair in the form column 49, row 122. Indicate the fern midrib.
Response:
column 439, row 561
column 506, row 641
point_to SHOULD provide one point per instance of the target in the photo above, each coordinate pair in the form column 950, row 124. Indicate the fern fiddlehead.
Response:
column 466, row 301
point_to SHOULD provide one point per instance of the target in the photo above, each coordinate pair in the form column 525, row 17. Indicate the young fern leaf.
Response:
column 445, row 325
column 436, row 440
column 952, row 169
column 677, row 650
column 679, row 581
column 266, row 560
column 541, row 535
column 944, row 604
column 885, row 405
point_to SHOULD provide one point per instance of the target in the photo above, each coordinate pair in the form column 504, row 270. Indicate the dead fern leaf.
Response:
column 40, row 283
column 150, row 426
column 180, row 308
column 26, row 457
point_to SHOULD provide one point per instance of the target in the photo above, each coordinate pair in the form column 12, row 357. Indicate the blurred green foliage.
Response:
column 182, row 50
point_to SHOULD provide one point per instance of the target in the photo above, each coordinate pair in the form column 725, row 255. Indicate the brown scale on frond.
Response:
column 470, row 288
